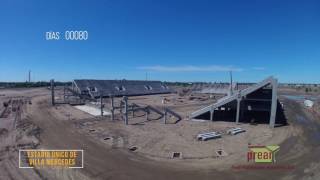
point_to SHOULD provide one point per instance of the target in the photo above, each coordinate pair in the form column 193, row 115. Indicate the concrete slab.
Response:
column 92, row 110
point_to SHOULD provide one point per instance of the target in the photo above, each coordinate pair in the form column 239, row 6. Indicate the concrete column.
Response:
column 52, row 92
column 125, row 99
column 165, row 116
column 112, row 108
column 273, row 103
column 211, row 114
column 101, row 105
column 238, row 110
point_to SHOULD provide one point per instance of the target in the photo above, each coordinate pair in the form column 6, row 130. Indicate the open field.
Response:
column 36, row 124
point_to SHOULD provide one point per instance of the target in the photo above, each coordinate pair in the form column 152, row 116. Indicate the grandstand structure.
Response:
column 105, row 88
column 218, row 88
column 255, row 104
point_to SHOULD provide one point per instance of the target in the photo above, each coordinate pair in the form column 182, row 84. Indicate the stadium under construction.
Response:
column 254, row 104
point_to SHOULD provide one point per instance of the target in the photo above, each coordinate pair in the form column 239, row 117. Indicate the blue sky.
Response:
column 170, row 40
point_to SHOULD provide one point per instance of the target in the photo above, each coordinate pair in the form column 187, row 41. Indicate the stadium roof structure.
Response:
column 252, row 99
column 97, row 88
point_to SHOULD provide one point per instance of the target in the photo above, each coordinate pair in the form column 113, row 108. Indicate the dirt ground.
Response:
column 105, row 143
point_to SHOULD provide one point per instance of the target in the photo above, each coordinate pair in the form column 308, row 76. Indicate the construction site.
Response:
column 159, row 90
column 148, row 129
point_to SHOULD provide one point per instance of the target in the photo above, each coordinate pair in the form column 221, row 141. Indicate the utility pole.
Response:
column 29, row 76
column 231, row 88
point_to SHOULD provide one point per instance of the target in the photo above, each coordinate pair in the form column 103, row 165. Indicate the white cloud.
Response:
column 259, row 68
column 190, row 68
